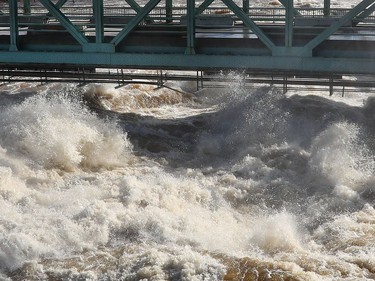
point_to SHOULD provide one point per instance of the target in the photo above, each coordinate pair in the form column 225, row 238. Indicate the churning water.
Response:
column 137, row 183
column 99, row 183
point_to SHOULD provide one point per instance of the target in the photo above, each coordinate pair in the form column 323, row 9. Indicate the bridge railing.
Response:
column 159, row 13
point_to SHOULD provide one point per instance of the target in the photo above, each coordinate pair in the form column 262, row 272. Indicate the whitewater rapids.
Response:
column 138, row 183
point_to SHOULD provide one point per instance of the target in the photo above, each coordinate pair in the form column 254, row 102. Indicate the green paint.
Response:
column 13, row 17
column 168, row 11
column 246, row 6
column 64, row 21
column 26, row 7
column 98, row 15
column 190, row 27
column 340, row 23
column 249, row 23
column 134, row 22
column 205, row 4
column 289, row 22
column 327, row 7
column 134, row 5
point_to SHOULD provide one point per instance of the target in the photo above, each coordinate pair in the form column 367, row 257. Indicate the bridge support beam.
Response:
column 99, row 25
column 327, row 7
column 205, row 4
column 64, row 21
column 60, row 3
column 198, row 61
column 134, row 5
column 13, row 15
column 26, row 7
column 190, row 28
column 285, row 4
column 168, row 11
column 289, row 23
column 134, row 22
column 246, row 6
column 364, row 15
column 340, row 23
column 250, row 23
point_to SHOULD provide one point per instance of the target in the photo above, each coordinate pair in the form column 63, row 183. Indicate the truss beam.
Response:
column 99, row 24
column 14, row 34
column 134, row 5
column 134, row 22
column 250, row 23
column 196, row 62
column 337, row 25
column 65, row 22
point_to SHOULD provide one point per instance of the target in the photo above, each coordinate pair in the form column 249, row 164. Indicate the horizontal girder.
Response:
column 191, row 37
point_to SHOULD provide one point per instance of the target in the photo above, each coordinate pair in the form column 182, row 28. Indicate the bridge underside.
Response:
column 231, row 37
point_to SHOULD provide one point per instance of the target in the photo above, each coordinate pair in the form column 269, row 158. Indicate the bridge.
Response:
column 66, row 40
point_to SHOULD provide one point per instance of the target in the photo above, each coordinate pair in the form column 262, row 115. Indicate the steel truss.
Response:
column 142, row 39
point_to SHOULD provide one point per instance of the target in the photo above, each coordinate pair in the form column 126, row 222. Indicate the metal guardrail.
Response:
column 261, row 12
column 82, row 15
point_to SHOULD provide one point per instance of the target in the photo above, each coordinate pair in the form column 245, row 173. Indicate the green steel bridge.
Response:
column 67, row 40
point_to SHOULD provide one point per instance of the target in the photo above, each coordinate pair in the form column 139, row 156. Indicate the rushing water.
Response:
column 99, row 183
column 137, row 183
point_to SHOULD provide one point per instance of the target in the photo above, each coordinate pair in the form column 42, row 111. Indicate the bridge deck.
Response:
column 190, row 38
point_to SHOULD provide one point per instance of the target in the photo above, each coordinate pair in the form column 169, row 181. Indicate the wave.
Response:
column 270, row 186
column 57, row 132
column 135, row 97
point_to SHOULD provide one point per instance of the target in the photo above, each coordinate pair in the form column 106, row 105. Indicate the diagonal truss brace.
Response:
column 250, row 23
column 134, row 22
column 285, row 4
column 134, row 5
column 58, row 5
column 341, row 22
column 203, row 6
column 364, row 15
column 65, row 22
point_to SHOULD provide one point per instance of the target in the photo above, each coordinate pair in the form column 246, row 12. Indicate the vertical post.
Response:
column 245, row 6
column 289, row 22
column 26, row 7
column 327, row 7
column 197, row 80
column 330, row 85
column 202, row 79
column 190, row 50
column 13, row 17
column 168, row 11
column 285, row 84
column 98, row 14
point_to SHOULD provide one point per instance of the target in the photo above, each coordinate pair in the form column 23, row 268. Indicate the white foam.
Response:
column 278, row 232
column 336, row 154
column 58, row 132
column 252, row 190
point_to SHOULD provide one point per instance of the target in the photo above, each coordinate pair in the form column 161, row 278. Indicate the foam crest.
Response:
column 135, row 97
column 277, row 233
column 250, row 120
column 183, row 211
column 56, row 131
column 338, row 156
